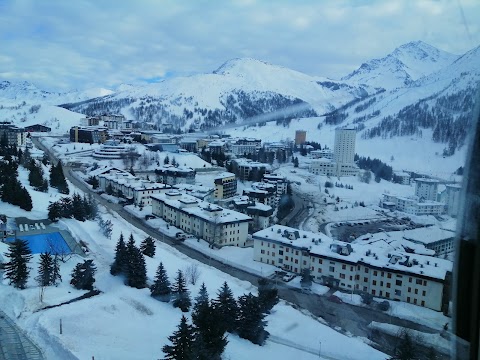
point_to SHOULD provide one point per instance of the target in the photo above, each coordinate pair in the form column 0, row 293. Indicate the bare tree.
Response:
column 192, row 274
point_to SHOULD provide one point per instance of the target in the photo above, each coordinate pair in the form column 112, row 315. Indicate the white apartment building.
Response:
column 343, row 163
column 279, row 182
column 318, row 154
column 344, row 147
column 453, row 199
column 214, row 224
column 412, row 205
column 426, row 189
column 126, row 185
column 246, row 166
column 395, row 275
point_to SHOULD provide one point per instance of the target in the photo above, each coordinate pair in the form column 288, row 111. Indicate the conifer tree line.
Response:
column 57, row 178
column 130, row 263
column 73, row 207
column 206, row 337
column 378, row 167
column 17, row 269
column 11, row 189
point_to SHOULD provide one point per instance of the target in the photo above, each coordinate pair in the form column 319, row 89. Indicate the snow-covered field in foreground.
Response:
column 126, row 323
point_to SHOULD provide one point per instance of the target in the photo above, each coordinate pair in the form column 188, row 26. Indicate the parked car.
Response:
column 288, row 277
column 335, row 299
column 148, row 217
column 180, row 236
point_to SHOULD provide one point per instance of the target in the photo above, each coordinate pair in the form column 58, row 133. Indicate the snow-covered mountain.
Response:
column 402, row 67
column 25, row 104
column 416, row 92
column 237, row 90
column 25, row 91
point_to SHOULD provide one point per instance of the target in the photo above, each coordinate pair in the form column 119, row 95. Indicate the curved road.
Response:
column 353, row 319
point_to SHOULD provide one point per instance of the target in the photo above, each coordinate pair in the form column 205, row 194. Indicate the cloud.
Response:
column 85, row 43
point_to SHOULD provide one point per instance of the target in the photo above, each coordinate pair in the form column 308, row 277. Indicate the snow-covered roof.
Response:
column 198, row 208
column 382, row 257
column 223, row 175
column 424, row 180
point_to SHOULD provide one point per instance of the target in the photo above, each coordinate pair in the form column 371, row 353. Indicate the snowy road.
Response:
column 14, row 343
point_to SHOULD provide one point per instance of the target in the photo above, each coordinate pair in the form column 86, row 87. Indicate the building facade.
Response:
column 124, row 184
column 225, row 186
column 415, row 279
column 172, row 175
column 412, row 205
column 300, row 137
column 344, row 147
column 90, row 135
column 13, row 135
column 216, row 225
column 426, row 189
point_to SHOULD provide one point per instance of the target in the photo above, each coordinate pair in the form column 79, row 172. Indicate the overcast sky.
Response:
column 60, row 45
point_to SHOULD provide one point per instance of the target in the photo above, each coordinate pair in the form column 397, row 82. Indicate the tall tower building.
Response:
column 344, row 148
column 300, row 137
column 426, row 189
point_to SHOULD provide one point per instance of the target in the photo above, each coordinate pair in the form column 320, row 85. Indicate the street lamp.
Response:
column 319, row 348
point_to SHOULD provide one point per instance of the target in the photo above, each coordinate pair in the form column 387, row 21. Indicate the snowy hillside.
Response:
column 239, row 89
column 28, row 92
column 25, row 104
column 402, row 67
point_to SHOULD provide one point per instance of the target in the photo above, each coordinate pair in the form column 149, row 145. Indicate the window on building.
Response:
column 374, row 282
column 342, row 276
column 366, row 270
column 387, row 295
column 398, row 292
column 398, row 282
column 332, row 268
column 423, row 303
column 375, row 273
column 418, row 282
column 296, row 261
column 424, row 293
column 389, row 275
column 409, row 289
column 416, row 291
column 280, row 252
column 262, row 251
column 319, row 270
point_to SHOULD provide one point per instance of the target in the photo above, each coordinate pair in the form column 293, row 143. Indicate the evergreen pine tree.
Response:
column 120, row 263
column 161, row 286
column 83, row 275
column 181, row 295
column 78, row 208
column 16, row 270
column 45, row 270
column 147, row 247
column 250, row 323
column 267, row 295
column 227, row 308
column 136, row 268
column 56, row 277
column 209, row 337
column 54, row 211
column 182, row 340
